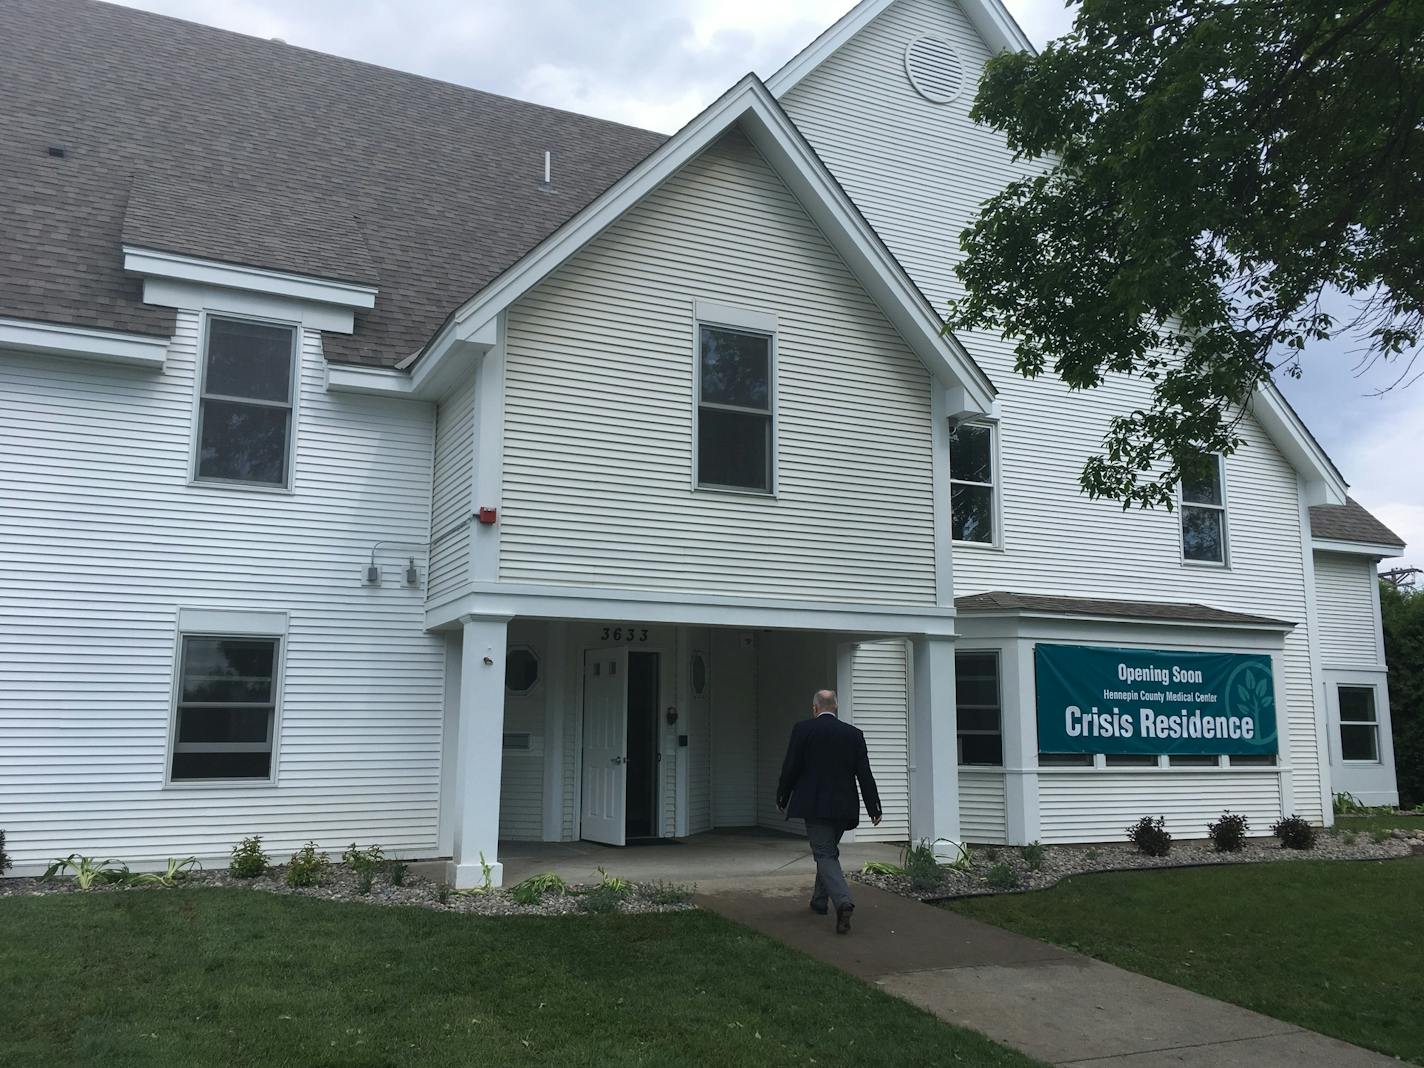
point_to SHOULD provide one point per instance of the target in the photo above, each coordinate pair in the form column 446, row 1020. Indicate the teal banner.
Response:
column 1093, row 699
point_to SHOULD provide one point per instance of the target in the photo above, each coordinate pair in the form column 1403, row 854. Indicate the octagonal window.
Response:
column 699, row 674
column 521, row 670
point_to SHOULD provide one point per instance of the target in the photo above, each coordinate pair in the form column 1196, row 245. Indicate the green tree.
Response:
column 1402, row 614
column 1210, row 169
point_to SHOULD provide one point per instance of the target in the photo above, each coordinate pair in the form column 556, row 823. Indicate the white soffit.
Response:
column 989, row 17
column 58, row 339
column 153, row 263
column 1355, row 548
column 786, row 150
column 1323, row 482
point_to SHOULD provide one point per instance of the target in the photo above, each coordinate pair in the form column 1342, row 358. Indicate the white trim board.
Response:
column 158, row 264
column 749, row 105
column 989, row 17
column 1355, row 548
column 506, row 600
column 82, row 342
column 1323, row 482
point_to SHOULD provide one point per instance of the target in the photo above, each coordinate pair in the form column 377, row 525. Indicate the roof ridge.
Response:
column 279, row 43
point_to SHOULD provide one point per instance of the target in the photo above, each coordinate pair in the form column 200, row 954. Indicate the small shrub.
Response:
column 249, row 860
column 1346, row 804
column 364, row 863
column 1348, row 837
column 1033, row 855
column 664, row 893
column 177, row 871
column 88, row 872
column 881, row 867
column 1002, row 877
column 1091, row 854
column 1379, row 835
column 396, row 871
column 601, row 899
column 1151, row 836
column 921, row 866
column 308, row 867
column 1228, row 833
column 991, row 853
column 4, row 856
column 1294, row 833
column 536, row 886
column 619, row 884
column 443, row 892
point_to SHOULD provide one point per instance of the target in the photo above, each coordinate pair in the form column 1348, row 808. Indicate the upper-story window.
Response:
column 734, row 409
column 245, row 415
column 1204, row 514
column 971, row 483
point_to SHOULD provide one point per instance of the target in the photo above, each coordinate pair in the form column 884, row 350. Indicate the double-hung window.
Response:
column 1204, row 513
column 978, row 707
column 226, row 708
column 1359, row 725
column 734, row 409
column 245, row 412
column 971, row 483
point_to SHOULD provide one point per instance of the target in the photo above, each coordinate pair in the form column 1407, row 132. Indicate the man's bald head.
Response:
column 824, row 701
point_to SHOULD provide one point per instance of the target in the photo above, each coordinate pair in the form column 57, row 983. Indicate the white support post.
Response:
column 479, row 750
column 934, row 788
column 1020, row 730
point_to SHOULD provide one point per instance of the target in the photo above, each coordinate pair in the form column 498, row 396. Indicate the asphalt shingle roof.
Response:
column 221, row 146
column 1350, row 522
column 1002, row 600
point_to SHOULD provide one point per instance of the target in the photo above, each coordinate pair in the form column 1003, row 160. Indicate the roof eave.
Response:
column 1324, row 484
column 1377, row 550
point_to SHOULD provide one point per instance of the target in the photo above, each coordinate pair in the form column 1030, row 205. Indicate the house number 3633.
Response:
column 627, row 633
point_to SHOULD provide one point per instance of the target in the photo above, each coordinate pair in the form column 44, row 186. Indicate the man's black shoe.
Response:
column 843, row 919
column 820, row 910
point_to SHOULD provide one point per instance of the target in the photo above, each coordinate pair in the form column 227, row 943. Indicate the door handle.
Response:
column 618, row 760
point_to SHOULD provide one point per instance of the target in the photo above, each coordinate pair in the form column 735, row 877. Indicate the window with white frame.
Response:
column 1359, row 725
column 245, row 411
column 1204, row 513
column 978, row 707
column 971, row 483
column 226, row 708
column 734, row 409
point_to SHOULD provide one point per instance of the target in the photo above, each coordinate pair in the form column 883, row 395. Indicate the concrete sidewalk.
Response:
column 1060, row 1007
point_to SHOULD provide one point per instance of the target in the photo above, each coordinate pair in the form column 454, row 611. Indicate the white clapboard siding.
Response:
column 451, row 505
column 734, row 728
column 599, row 395
column 920, row 171
column 1345, row 603
column 1099, row 807
column 791, row 667
column 699, row 734
column 521, row 796
column 105, row 541
column 880, row 706
column 982, row 806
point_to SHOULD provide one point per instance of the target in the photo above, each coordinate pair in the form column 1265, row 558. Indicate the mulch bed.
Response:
column 1059, row 862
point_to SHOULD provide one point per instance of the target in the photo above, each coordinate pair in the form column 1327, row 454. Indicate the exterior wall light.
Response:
column 412, row 576
column 373, row 573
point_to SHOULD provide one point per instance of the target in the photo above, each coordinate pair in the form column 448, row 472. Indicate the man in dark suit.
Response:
column 824, row 760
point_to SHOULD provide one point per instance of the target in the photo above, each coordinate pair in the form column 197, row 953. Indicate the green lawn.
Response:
column 1333, row 946
column 233, row 977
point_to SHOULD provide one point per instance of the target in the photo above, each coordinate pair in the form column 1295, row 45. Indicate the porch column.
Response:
column 934, row 785
column 479, row 749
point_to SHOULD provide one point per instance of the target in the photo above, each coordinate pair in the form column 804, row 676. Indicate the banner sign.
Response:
column 1093, row 699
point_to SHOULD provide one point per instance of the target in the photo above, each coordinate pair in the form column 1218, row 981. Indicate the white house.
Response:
column 389, row 461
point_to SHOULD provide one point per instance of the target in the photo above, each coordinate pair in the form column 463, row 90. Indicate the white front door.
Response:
column 605, row 741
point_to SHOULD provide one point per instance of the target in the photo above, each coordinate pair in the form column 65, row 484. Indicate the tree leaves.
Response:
column 1210, row 168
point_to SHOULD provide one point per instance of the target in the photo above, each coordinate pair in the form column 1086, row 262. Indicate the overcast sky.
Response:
column 656, row 63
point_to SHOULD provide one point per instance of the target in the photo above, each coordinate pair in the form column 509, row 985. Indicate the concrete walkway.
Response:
column 1057, row 1006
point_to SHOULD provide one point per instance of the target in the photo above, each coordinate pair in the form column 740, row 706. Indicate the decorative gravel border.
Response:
column 340, row 885
column 1061, row 862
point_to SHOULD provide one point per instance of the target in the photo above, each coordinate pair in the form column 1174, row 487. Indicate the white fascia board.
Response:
column 508, row 600
column 370, row 381
column 796, row 163
column 1136, row 622
column 153, row 263
column 1355, row 548
column 1323, row 482
column 82, row 342
column 989, row 17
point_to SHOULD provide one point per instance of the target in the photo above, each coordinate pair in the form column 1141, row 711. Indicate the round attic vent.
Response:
column 935, row 70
